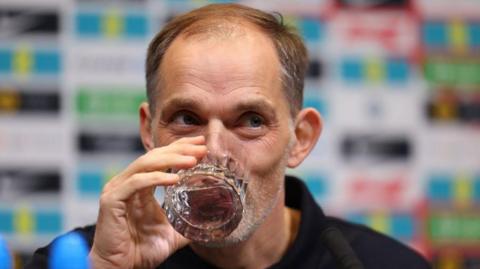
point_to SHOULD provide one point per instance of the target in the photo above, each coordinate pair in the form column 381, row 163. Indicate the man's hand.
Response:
column 132, row 229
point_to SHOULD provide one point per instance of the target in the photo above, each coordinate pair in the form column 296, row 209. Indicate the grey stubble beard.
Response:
column 253, row 215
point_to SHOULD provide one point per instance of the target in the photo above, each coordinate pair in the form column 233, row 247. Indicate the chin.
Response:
column 252, row 219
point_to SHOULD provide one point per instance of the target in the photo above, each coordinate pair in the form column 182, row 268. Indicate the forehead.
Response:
column 240, row 61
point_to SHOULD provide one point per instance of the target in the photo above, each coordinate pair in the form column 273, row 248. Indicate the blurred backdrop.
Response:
column 397, row 82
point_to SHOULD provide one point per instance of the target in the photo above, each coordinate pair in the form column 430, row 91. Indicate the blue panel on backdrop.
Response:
column 311, row 30
column 474, row 34
column 5, row 61
column 317, row 184
column 435, row 34
column 358, row 218
column 47, row 62
column 136, row 25
column 48, row 222
column 397, row 70
column 88, row 24
column 352, row 70
column 440, row 188
column 315, row 101
column 6, row 223
column 89, row 182
column 476, row 188
column 403, row 227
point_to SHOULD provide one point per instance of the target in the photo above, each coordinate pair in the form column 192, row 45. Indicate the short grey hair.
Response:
column 290, row 48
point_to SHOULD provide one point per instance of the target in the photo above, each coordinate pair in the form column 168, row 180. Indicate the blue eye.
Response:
column 253, row 121
column 184, row 118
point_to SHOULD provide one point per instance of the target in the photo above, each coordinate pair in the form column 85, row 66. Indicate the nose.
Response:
column 224, row 146
column 216, row 137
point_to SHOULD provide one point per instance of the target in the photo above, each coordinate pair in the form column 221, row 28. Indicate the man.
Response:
column 226, row 75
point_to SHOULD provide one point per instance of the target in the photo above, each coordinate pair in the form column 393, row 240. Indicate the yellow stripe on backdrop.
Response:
column 374, row 70
column 462, row 191
column 22, row 61
column 380, row 223
column 112, row 24
column 458, row 36
column 23, row 220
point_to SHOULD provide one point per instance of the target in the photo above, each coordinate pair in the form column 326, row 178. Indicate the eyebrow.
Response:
column 181, row 102
column 256, row 104
column 251, row 104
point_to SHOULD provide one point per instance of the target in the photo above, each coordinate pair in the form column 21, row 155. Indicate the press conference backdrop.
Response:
column 397, row 82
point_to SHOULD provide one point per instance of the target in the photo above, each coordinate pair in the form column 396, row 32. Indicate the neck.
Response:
column 265, row 247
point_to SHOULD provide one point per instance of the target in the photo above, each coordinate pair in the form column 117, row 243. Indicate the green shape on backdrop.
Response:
column 454, row 228
column 453, row 72
column 109, row 102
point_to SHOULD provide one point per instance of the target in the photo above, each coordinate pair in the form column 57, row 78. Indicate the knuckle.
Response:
column 109, row 184
column 104, row 199
column 133, row 179
column 144, row 157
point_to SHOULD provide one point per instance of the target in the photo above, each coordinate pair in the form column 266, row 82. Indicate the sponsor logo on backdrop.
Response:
column 454, row 228
column 448, row 106
column 110, row 65
column 382, row 32
column 29, row 60
column 451, row 257
column 453, row 190
column 376, row 148
column 30, row 220
column 110, row 1
column 400, row 225
column 111, row 24
column 459, row 73
column 451, row 36
column 387, row 191
column 28, row 102
column 391, row 71
column 362, row 4
column 109, row 101
column 89, row 142
column 27, row 22
column 19, row 182
column 446, row 9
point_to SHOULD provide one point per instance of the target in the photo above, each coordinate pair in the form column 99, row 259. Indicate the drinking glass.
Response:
column 208, row 202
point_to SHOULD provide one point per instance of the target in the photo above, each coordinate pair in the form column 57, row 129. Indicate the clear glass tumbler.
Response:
column 208, row 202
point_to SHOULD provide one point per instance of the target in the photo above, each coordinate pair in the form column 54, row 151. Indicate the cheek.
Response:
column 163, row 137
column 267, row 154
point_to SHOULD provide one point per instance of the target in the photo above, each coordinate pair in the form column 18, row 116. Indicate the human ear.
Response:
column 146, row 126
column 308, row 126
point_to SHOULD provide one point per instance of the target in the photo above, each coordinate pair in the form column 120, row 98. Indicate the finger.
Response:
column 180, row 156
column 184, row 149
column 151, row 164
column 197, row 140
column 140, row 182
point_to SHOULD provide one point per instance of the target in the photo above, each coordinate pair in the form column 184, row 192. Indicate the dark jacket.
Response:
column 374, row 250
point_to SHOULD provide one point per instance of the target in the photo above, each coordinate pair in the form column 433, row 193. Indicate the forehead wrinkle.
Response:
column 214, row 83
column 218, row 31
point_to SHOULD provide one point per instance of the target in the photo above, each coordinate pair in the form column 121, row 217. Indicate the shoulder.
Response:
column 40, row 257
column 376, row 250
